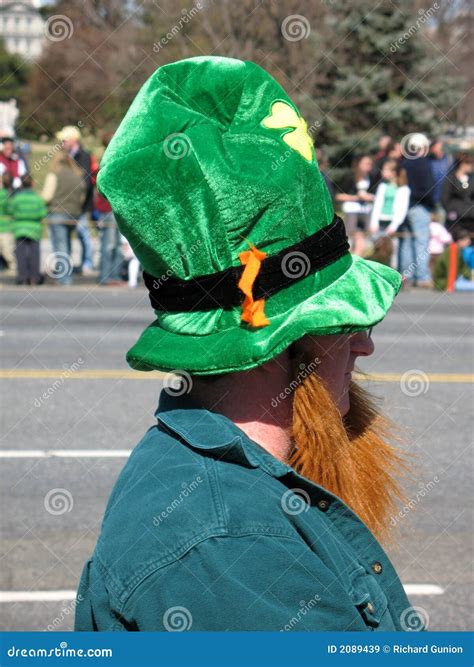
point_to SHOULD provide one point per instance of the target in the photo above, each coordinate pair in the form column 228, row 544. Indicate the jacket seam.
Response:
column 154, row 566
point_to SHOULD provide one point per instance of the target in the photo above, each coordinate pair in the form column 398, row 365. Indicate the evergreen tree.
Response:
column 382, row 76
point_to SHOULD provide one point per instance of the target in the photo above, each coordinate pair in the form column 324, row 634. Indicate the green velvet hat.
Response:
column 213, row 180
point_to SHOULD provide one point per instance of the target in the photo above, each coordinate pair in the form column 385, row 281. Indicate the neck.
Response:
column 251, row 400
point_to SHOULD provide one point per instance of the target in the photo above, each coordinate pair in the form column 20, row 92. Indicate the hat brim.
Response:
column 357, row 300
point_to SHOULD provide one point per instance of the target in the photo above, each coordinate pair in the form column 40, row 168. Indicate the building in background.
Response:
column 21, row 28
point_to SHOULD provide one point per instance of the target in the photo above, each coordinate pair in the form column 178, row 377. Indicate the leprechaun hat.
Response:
column 213, row 179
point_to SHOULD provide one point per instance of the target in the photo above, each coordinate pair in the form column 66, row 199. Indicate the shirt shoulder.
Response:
column 170, row 497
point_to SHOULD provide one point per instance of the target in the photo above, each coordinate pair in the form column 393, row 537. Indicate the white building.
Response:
column 21, row 28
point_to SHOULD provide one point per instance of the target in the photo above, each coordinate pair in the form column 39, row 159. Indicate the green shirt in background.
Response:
column 207, row 531
column 389, row 200
column 5, row 219
column 27, row 210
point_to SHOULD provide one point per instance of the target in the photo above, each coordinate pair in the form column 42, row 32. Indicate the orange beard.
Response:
column 348, row 456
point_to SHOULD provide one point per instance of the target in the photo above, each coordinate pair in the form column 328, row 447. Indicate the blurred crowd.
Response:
column 408, row 208
column 70, row 204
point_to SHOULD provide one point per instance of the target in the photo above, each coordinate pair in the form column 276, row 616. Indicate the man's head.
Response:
column 70, row 137
column 384, row 141
column 27, row 181
column 7, row 147
column 336, row 358
column 436, row 148
column 461, row 236
column 464, row 163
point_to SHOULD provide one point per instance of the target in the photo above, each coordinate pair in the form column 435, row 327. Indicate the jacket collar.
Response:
column 213, row 433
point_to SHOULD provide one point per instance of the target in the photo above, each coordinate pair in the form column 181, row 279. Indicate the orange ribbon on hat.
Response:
column 252, row 310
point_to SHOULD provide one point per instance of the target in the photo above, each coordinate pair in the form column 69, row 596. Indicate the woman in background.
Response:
column 64, row 191
column 357, row 202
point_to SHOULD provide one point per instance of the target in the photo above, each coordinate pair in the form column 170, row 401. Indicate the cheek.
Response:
column 333, row 372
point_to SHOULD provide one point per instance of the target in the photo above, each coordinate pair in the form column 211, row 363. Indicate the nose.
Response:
column 362, row 344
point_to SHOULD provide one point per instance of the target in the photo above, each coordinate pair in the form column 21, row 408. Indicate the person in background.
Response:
column 7, row 244
column 439, row 239
column 111, row 257
column 465, row 265
column 323, row 168
column 10, row 161
column 357, row 202
column 441, row 164
column 132, row 263
column 413, row 249
column 390, row 207
column 392, row 152
column 27, row 211
column 457, row 194
column 384, row 141
column 392, row 198
column 70, row 136
column 64, row 191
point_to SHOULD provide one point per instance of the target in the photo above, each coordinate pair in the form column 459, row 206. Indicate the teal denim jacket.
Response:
column 205, row 530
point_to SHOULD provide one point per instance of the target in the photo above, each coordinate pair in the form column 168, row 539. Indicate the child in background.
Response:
column 7, row 246
column 27, row 211
column 391, row 203
column 465, row 261
column 439, row 239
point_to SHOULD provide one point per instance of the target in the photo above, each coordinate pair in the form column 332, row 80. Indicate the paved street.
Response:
column 66, row 387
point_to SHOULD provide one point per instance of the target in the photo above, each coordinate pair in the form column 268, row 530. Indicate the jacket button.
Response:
column 323, row 505
column 377, row 567
column 370, row 608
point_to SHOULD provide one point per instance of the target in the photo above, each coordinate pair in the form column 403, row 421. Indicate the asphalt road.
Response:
column 66, row 387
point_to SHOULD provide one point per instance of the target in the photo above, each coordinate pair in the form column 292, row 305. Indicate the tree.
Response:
column 13, row 74
column 382, row 76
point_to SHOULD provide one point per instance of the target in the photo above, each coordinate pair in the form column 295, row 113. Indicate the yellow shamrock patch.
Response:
column 284, row 116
